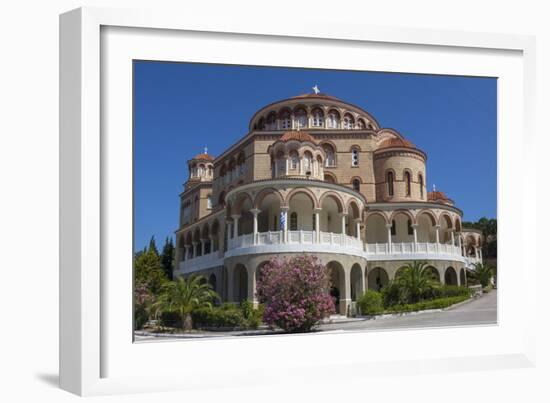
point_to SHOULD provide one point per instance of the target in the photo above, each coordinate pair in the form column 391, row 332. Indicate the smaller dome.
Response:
column 203, row 157
column 298, row 136
column 396, row 142
column 439, row 197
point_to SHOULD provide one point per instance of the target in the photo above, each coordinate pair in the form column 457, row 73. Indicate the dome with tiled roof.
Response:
column 396, row 142
column 203, row 157
column 439, row 197
column 298, row 136
column 314, row 95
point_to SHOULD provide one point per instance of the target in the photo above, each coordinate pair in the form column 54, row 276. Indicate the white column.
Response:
column 194, row 250
column 211, row 243
column 437, row 227
column 388, row 227
column 235, row 225
column 415, row 234
column 317, row 212
column 229, row 231
column 255, row 213
column 343, row 215
column 358, row 228
column 187, row 251
column 452, row 237
column 286, row 166
column 284, row 210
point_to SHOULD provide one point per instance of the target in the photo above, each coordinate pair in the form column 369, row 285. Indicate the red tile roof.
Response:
column 437, row 196
column 319, row 95
column 203, row 157
column 297, row 135
column 396, row 142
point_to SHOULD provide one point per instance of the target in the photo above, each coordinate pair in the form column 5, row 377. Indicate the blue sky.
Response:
column 179, row 108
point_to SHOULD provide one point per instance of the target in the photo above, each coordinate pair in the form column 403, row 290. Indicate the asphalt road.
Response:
column 477, row 312
column 481, row 311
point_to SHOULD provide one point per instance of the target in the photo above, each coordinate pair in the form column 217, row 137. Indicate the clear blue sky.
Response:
column 179, row 108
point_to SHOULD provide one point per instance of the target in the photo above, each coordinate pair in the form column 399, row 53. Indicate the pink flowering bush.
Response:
column 295, row 293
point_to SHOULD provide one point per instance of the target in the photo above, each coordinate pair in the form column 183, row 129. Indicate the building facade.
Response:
column 316, row 174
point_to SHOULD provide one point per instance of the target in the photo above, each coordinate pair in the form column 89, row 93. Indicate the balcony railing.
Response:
column 295, row 237
column 201, row 262
column 410, row 248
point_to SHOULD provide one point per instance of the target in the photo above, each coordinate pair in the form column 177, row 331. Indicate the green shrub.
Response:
column 392, row 294
column 252, row 316
column 370, row 303
column 226, row 315
column 445, row 291
column 439, row 303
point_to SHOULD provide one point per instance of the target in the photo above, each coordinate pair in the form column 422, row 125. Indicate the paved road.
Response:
column 477, row 312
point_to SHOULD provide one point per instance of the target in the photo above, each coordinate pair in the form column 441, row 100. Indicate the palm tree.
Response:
column 482, row 273
column 183, row 296
column 415, row 279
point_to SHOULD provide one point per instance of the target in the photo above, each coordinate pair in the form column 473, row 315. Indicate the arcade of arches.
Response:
column 350, row 276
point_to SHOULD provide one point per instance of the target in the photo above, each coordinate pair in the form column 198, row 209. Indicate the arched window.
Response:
column 407, row 183
column 356, row 184
column 348, row 122
column 361, row 124
column 272, row 121
column 393, row 229
column 330, row 158
column 294, row 221
column 300, row 118
column 293, row 160
column 285, row 120
column 333, row 120
column 318, row 118
column 409, row 227
column 421, row 184
column 389, row 179
column 307, row 161
column 354, row 157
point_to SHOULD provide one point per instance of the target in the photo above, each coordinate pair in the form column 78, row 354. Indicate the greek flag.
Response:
column 282, row 221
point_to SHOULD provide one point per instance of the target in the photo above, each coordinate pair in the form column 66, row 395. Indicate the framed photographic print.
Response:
column 318, row 195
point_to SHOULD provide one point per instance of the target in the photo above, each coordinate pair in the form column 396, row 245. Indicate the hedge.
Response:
column 370, row 303
column 439, row 303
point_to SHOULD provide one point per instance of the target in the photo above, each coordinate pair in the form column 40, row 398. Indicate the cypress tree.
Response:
column 167, row 257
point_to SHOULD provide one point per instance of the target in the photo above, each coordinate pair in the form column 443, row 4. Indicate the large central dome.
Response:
column 314, row 111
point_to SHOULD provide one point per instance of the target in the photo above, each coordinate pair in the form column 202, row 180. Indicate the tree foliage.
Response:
column 183, row 296
column 482, row 274
column 415, row 280
column 167, row 258
column 295, row 293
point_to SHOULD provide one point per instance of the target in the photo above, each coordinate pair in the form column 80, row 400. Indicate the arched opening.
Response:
column 330, row 220
column 356, row 185
column 377, row 278
column 446, row 230
column 348, row 122
column 421, row 185
column 434, row 272
column 356, row 283
column 376, row 229
column 300, row 213
column 450, row 276
column 338, row 286
column 284, row 117
column 403, row 231
column 245, row 223
column 240, row 283
column 389, row 181
column 426, row 227
column 317, row 118
column 215, row 233
column 269, row 204
column 352, row 219
column 330, row 155
column 329, row 178
column 205, row 239
column 300, row 118
column 407, row 178
column 333, row 121
column 271, row 122
column 197, row 243
column 462, row 277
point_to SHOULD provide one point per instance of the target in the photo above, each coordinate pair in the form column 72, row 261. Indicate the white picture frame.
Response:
column 97, row 355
